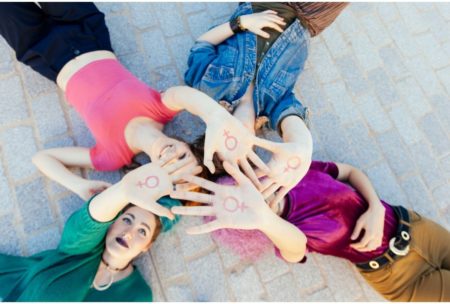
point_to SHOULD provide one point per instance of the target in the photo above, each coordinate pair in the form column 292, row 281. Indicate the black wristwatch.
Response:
column 236, row 25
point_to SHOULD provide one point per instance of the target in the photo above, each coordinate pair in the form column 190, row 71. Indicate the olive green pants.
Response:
column 424, row 273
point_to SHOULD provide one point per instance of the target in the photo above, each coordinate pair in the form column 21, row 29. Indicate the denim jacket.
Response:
column 225, row 71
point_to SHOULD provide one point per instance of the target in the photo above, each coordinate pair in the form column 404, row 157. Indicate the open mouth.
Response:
column 122, row 242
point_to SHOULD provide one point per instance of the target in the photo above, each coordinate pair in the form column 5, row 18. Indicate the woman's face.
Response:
column 170, row 150
column 131, row 233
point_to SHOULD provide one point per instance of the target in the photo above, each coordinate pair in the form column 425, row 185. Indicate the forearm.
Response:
column 358, row 180
column 217, row 34
column 196, row 102
column 106, row 205
column 294, row 130
column 290, row 240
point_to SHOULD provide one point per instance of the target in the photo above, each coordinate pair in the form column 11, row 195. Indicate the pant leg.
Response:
column 433, row 287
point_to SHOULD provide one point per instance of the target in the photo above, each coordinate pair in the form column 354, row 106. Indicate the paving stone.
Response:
column 111, row 7
column 403, row 39
column 442, row 199
column 228, row 257
column 388, row 12
column 6, row 62
column 405, row 124
column 352, row 75
column 121, row 32
column 335, row 41
column 179, row 293
column 308, row 276
column 444, row 77
column 365, row 52
column 348, row 23
column 137, row 64
column 424, row 159
column 376, row 30
column 246, row 285
column 192, row 7
column 383, row 86
column 411, row 93
column 9, row 242
column 444, row 165
column 435, row 134
column 192, row 245
column 432, row 51
column 147, row 269
column 395, row 153
column 437, row 24
column 82, row 135
column 208, row 279
column 338, row 96
column 421, row 71
column 444, row 10
column 393, row 63
column 374, row 114
column 219, row 9
column 361, row 8
column 49, row 116
column 169, row 18
column 12, row 104
column 283, row 289
column 369, row 293
column 18, row 148
column 363, row 144
column 166, row 253
column 164, row 78
column 34, row 83
column 142, row 15
column 180, row 47
column 323, row 295
column 199, row 23
column 322, row 63
column 270, row 266
column 311, row 91
column 386, row 185
column 412, row 18
column 6, row 203
column 155, row 48
column 419, row 197
column 69, row 205
column 34, row 208
column 45, row 240
column 64, row 141
column 341, row 281
column 107, row 176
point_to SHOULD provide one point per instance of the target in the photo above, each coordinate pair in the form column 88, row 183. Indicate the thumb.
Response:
column 357, row 230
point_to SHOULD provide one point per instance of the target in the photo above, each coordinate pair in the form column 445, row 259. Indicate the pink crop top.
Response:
column 108, row 96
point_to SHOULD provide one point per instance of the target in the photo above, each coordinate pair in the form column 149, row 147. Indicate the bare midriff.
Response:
column 74, row 65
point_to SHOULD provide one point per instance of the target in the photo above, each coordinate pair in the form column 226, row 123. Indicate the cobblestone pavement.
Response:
column 378, row 85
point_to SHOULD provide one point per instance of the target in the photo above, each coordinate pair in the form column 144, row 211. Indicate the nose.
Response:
column 126, row 235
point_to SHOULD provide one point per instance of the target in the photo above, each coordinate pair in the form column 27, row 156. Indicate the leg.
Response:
column 433, row 287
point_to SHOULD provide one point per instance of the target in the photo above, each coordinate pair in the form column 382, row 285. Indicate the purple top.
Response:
column 326, row 211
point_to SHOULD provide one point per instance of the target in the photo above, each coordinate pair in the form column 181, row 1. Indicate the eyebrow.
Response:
column 148, row 227
column 131, row 215
column 143, row 224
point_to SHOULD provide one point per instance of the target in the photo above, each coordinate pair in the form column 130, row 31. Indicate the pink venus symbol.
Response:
column 150, row 182
column 231, row 204
column 230, row 141
column 293, row 163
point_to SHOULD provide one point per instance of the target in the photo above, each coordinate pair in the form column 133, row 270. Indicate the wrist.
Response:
column 236, row 25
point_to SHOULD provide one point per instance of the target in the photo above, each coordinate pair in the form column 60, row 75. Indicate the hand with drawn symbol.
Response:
column 239, row 206
column 146, row 184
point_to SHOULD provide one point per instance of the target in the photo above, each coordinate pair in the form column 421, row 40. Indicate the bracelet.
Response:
column 236, row 25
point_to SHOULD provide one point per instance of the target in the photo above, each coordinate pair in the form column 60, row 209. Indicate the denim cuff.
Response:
column 203, row 45
column 281, row 113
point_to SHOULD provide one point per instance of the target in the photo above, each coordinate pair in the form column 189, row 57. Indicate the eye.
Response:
column 142, row 232
column 126, row 221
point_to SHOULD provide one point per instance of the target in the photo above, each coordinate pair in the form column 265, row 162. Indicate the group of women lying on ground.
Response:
column 240, row 76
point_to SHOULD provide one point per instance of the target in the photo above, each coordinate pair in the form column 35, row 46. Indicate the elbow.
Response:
column 37, row 158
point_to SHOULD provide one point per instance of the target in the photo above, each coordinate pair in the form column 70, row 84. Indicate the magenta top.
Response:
column 326, row 210
column 108, row 96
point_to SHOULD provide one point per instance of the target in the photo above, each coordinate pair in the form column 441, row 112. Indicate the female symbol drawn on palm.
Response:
column 150, row 182
column 293, row 163
column 230, row 141
column 231, row 204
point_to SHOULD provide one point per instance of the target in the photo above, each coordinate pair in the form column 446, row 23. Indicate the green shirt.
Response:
column 65, row 274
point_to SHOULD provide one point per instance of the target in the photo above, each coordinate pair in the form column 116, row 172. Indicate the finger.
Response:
column 185, row 187
column 277, row 19
column 270, row 190
column 205, row 228
column 166, row 159
column 192, row 196
column 250, row 172
column 208, row 154
column 195, row 211
column 157, row 209
column 363, row 243
column 369, row 247
column 266, row 183
column 235, row 173
column 204, row 183
column 280, row 195
column 258, row 162
column 357, row 230
column 172, row 167
column 275, row 26
column 191, row 169
column 262, row 33
column 259, row 173
column 270, row 12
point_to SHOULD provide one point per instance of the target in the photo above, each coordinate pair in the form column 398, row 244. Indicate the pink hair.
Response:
column 248, row 244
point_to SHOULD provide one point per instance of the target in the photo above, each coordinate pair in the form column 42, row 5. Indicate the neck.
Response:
column 114, row 263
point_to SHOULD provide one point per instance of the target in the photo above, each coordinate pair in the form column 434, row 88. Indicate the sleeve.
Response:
column 82, row 233
column 200, row 56
column 289, row 105
column 329, row 168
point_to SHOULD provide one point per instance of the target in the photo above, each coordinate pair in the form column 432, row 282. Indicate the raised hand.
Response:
column 372, row 221
column 288, row 166
column 256, row 22
column 240, row 206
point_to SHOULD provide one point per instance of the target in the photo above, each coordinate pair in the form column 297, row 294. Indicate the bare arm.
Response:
column 54, row 164
column 372, row 221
